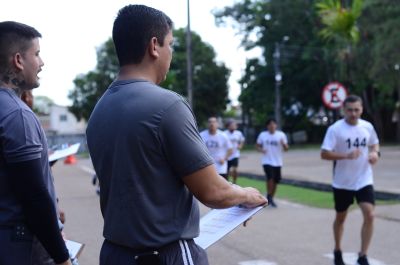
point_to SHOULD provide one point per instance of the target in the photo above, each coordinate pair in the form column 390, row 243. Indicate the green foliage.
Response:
column 306, row 196
column 358, row 47
column 89, row 87
column 340, row 22
column 209, row 78
column 380, row 23
column 303, row 62
column 42, row 104
column 373, row 69
column 310, row 197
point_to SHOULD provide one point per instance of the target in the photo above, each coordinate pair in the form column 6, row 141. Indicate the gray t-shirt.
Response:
column 142, row 140
column 21, row 139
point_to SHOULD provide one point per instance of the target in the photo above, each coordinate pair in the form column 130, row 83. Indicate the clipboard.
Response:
column 60, row 153
column 74, row 248
column 219, row 222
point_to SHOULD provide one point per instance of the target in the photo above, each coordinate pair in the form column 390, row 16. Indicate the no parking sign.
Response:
column 333, row 95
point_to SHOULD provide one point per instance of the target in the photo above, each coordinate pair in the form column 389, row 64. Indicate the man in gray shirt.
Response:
column 29, row 230
column 148, row 155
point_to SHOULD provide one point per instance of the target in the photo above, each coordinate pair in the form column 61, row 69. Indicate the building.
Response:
column 61, row 126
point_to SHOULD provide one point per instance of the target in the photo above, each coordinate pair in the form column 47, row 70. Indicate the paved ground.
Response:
column 291, row 234
column 306, row 165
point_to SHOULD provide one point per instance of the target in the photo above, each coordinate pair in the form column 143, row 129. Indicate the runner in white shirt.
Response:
column 271, row 143
column 353, row 145
column 237, row 140
column 219, row 146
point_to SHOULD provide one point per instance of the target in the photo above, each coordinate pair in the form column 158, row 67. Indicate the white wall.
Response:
column 64, row 122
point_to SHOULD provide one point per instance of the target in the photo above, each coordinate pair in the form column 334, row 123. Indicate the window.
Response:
column 63, row 117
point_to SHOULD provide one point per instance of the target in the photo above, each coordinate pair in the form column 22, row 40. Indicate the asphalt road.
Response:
column 291, row 234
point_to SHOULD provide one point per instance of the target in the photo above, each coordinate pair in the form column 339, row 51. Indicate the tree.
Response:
column 354, row 42
column 209, row 80
column 370, row 62
column 89, row 87
column 339, row 21
column 290, row 24
column 378, row 58
column 42, row 105
column 340, row 27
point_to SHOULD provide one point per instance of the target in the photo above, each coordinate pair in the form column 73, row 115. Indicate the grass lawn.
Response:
column 310, row 197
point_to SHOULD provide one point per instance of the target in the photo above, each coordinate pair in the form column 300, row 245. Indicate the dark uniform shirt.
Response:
column 142, row 140
column 21, row 139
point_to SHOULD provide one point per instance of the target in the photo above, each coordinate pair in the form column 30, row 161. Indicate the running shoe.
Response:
column 337, row 258
column 362, row 260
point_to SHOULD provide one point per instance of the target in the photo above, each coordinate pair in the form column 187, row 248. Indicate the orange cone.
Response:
column 71, row 159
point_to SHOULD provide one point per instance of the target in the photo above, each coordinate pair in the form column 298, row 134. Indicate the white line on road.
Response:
column 88, row 170
column 291, row 204
column 257, row 262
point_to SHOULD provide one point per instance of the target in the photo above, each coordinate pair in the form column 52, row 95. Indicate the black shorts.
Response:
column 344, row 198
column 233, row 163
column 272, row 172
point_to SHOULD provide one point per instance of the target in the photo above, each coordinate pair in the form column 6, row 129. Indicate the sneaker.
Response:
column 271, row 201
column 273, row 204
column 337, row 258
column 94, row 180
column 362, row 260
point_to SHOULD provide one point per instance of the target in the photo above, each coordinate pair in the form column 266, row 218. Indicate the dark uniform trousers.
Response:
column 19, row 247
column 182, row 252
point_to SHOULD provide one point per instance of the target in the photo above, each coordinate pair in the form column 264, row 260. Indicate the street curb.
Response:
column 380, row 195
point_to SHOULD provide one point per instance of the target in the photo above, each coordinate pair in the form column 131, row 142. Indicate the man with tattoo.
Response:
column 29, row 230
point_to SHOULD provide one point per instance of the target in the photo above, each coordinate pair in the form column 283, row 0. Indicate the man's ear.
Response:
column 18, row 61
column 153, row 48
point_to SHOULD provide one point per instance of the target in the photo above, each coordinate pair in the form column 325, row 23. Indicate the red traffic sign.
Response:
column 333, row 95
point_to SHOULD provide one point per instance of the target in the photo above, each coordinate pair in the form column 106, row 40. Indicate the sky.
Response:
column 72, row 30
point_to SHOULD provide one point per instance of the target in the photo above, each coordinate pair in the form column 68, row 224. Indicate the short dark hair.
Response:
column 134, row 27
column 270, row 120
column 14, row 37
column 352, row 99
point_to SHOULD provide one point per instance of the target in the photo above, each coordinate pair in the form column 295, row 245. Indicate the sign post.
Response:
column 333, row 95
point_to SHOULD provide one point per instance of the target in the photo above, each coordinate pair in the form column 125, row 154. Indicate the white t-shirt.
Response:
column 236, row 137
column 218, row 145
column 341, row 137
column 271, row 143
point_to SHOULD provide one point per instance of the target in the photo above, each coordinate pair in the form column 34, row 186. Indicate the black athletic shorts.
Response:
column 233, row 163
column 272, row 172
column 344, row 198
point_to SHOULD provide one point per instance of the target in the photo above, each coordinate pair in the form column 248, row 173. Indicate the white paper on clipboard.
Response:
column 74, row 248
column 60, row 153
column 219, row 222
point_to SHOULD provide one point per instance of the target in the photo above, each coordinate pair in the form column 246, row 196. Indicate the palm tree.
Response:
column 340, row 28
column 339, row 22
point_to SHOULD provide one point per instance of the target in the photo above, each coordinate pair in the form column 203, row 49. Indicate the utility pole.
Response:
column 278, row 81
column 189, row 59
